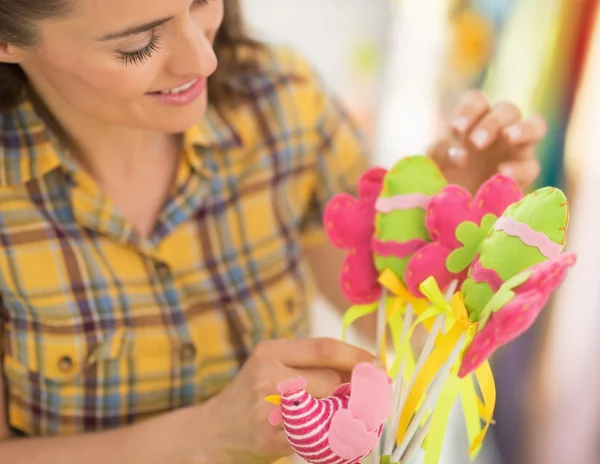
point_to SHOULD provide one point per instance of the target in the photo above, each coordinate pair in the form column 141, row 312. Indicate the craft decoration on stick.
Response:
column 349, row 225
column 498, row 256
column 516, row 269
column 458, row 223
column 511, row 275
column 400, row 229
column 343, row 428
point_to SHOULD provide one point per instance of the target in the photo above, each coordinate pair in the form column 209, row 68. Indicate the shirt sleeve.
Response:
column 340, row 158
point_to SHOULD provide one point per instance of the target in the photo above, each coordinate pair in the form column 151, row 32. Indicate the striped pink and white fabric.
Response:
column 307, row 422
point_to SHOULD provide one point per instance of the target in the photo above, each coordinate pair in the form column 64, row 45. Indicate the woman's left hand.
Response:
column 483, row 140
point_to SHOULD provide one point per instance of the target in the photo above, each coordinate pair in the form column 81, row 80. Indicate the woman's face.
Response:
column 136, row 63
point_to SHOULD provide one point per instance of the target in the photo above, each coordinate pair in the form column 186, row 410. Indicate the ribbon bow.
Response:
column 461, row 330
column 395, row 308
column 395, row 311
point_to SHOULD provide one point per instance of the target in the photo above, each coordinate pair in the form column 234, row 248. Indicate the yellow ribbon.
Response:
column 400, row 298
column 395, row 307
column 455, row 312
column 485, row 377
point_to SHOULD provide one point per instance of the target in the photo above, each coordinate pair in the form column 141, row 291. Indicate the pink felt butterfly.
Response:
column 457, row 224
column 519, row 308
column 350, row 225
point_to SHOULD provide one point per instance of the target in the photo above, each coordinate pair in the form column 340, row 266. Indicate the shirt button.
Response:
column 163, row 270
column 188, row 352
column 65, row 364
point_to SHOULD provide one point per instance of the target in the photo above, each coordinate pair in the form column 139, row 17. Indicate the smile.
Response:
column 180, row 89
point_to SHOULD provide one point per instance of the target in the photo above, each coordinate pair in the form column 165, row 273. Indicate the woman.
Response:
column 161, row 229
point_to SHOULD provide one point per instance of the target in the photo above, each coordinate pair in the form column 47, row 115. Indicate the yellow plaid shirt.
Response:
column 100, row 328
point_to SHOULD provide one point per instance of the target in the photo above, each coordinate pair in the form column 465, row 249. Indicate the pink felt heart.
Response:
column 349, row 438
column 342, row 390
column 452, row 207
column 519, row 314
column 349, row 223
column 371, row 395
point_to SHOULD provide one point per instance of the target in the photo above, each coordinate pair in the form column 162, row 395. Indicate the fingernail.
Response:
column 460, row 124
column 480, row 138
column 513, row 133
column 457, row 154
column 507, row 171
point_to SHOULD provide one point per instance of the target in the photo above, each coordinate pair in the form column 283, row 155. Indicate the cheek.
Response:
column 104, row 78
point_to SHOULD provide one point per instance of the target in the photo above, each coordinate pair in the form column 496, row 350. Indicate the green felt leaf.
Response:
column 502, row 297
column 470, row 235
column 476, row 295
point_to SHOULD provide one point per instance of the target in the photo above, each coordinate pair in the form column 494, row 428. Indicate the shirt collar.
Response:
column 29, row 149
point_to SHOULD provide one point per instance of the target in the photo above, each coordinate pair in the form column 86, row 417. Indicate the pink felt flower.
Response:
column 510, row 320
column 350, row 225
column 457, row 224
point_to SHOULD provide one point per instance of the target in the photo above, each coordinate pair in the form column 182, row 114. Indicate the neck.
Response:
column 107, row 150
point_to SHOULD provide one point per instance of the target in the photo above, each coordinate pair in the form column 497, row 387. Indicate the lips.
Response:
column 179, row 89
column 184, row 94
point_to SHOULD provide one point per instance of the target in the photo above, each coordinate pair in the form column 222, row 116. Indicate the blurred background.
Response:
column 400, row 65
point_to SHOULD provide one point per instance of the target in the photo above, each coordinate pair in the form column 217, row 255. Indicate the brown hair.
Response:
column 17, row 27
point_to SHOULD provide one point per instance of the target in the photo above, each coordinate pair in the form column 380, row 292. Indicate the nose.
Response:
column 192, row 53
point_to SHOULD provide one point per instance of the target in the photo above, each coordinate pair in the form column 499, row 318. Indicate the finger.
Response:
column 490, row 127
column 322, row 353
column 522, row 152
column 274, row 445
column 446, row 155
column 524, row 173
column 282, row 446
column 531, row 130
column 321, row 382
column 470, row 109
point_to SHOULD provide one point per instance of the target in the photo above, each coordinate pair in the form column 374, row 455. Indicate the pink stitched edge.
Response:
column 398, row 249
column 529, row 236
column 414, row 200
column 489, row 276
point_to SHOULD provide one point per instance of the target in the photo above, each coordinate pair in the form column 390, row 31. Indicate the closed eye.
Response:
column 141, row 55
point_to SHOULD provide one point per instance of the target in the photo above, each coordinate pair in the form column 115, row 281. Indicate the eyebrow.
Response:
column 135, row 30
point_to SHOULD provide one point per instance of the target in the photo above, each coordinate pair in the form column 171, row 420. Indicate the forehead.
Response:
column 103, row 16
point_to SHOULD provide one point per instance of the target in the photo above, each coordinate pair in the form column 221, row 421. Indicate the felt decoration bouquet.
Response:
column 474, row 272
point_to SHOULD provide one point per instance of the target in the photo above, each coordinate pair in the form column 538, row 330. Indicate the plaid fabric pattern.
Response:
column 100, row 328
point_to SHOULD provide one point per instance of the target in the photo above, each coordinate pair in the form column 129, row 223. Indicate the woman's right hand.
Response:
column 238, row 417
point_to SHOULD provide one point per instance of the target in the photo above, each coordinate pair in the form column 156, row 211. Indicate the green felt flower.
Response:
column 470, row 235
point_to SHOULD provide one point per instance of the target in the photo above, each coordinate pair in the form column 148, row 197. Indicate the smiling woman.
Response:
column 21, row 29
column 162, row 182
column 161, row 174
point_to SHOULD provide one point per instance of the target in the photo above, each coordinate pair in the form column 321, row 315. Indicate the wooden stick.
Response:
column 429, row 343
column 392, row 423
column 415, row 445
column 427, row 349
column 432, row 396
column 381, row 324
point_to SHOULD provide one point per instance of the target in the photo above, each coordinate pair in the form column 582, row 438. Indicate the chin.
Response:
column 177, row 119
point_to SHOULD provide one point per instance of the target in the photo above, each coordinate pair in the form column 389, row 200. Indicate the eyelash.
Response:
column 140, row 56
